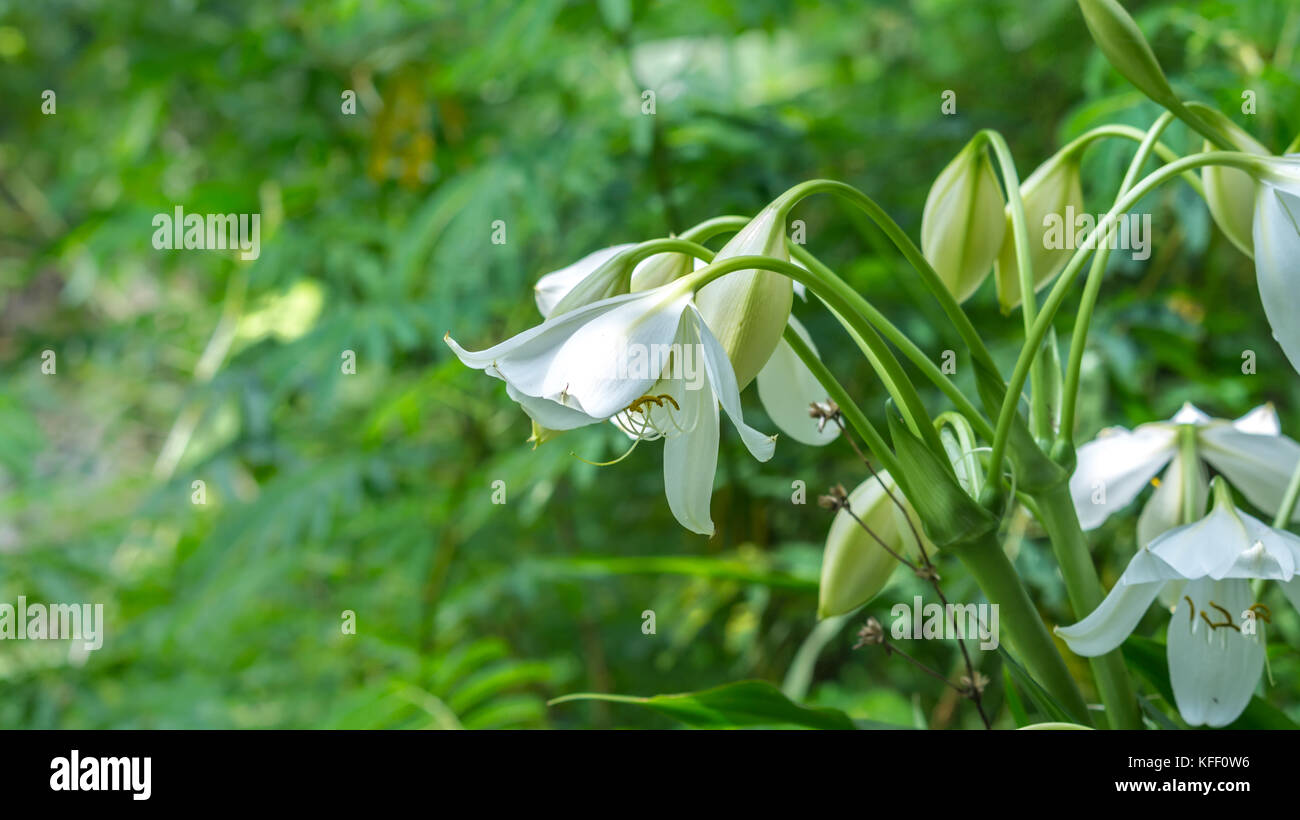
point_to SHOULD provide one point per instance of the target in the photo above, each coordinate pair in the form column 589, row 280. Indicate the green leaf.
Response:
column 1042, row 699
column 732, row 705
column 949, row 515
column 1018, row 713
column 1148, row 657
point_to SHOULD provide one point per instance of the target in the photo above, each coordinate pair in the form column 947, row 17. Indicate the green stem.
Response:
column 846, row 303
column 653, row 247
column 1164, row 152
column 710, row 228
column 1034, row 342
column 909, row 349
column 997, row 578
column 1092, row 287
column 983, row 558
column 1038, row 415
column 1057, row 515
column 910, row 252
column 1283, row 516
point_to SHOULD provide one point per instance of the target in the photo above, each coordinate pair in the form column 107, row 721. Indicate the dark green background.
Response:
column 372, row 492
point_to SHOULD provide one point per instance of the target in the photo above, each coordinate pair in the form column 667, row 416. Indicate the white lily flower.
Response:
column 1214, row 645
column 1250, row 452
column 583, row 366
column 786, row 387
column 1276, row 235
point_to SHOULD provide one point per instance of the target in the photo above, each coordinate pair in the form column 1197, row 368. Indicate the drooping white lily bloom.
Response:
column 1276, row 235
column 786, row 386
column 1215, row 645
column 646, row 359
column 1113, row 468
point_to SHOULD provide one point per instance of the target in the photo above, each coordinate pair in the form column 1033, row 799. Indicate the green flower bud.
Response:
column 748, row 310
column 1049, row 191
column 962, row 225
column 1230, row 193
column 854, row 566
column 1125, row 47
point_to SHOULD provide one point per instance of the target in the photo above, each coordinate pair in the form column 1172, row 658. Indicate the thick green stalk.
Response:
column 983, row 558
column 1028, row 635
column 1057, row 515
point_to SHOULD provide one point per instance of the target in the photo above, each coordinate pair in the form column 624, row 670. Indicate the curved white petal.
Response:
column 1280, row 550
column 1113, row 468
column 597, row 358
column 1190, row 414
column 1257, row 464
column 1214, row 671
column 1164, row 511
column 1113, row 620
column 1277, row 249
column 1207, row 548
column 722, row 380
column 691, row 459
column 552, row 287
column 787, row 387
column 1262, row 421
column 550, row 414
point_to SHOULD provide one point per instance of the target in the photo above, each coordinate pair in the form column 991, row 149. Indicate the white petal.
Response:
column 1213, row 671
column 787, row 387
column 691, row 459
column 1281, row 550
column 1207, row 548
column 1261, row 421
column 1114, row 467
column 1189, row 414
column 552, row 287
column 1113, row 620
column 1277, row 265
column 1259, row 465
column 550, row 414
column 1164, row 511
column 587, row 358
column 722, row 380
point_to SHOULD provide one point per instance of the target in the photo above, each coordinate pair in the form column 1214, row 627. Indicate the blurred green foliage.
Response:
column 372, row 492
